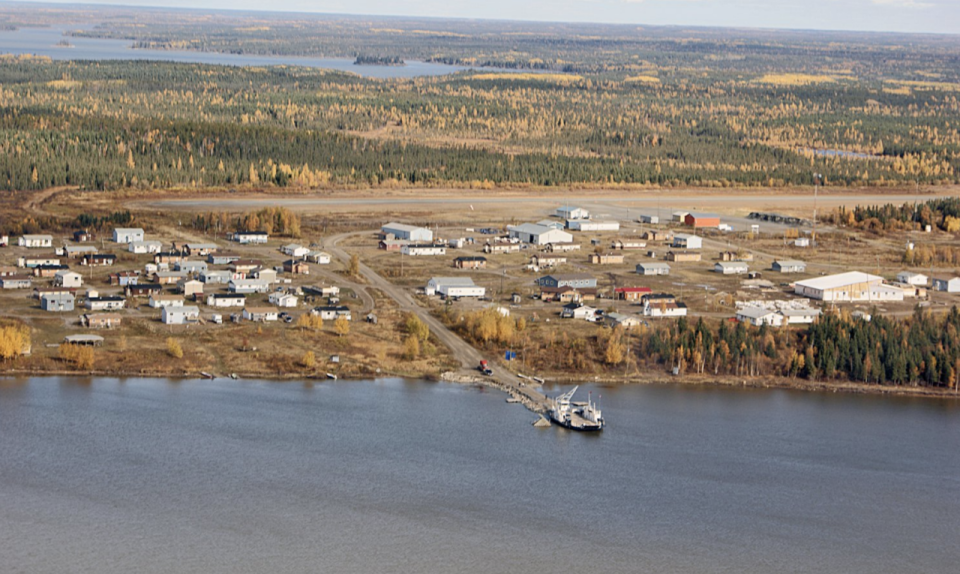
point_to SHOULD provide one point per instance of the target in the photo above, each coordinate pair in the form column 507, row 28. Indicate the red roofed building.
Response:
column 631, row 293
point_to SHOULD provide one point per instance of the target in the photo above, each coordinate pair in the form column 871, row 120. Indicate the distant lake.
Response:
column 113, row 476
column 43, row 42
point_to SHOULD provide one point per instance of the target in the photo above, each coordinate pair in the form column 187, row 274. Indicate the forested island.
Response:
column 365, row 60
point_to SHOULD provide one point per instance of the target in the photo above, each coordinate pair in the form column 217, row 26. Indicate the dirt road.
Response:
column 468, row 356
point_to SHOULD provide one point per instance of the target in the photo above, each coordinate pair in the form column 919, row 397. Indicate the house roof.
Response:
column 83, row 338
column 754, row 312
column 704, row 215
column 471, row 258
column 401, row 227
column 738, row 264
column 570, row 276
column 228, row 295
column 790, row 263
column 260, row 310
column 653, row 265
column 452, row 282
column 633, row 290
column 839, row 280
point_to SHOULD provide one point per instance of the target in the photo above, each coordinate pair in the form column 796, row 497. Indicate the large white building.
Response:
column 426, row 249
column 248, row 237
column 127, row 234
column 144, row 246
column 687, row 241
column 538, row 234
column 911, row 278
column 67, row 279
column 849, row 286
column 407, row 232
column 249, row 286
column 454, row 287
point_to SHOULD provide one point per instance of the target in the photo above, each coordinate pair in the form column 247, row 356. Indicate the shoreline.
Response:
column 462, row 378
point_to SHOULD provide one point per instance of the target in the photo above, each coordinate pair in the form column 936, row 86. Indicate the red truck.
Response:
column 483, row 368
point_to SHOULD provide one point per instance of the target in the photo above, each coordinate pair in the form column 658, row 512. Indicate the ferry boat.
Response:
column 578, row 416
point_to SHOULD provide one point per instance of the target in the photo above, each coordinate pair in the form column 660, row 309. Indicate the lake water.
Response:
column 42, row 42
column 138, row 475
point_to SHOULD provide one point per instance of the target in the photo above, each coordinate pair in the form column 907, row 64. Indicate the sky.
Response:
column 925, row 16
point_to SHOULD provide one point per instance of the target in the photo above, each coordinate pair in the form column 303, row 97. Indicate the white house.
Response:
column 294, row 250
column 789, row 266
column 254, row 237
column 151, row 246
column 281, row 299
column 108, row 303
column 687, row 241
column 127, row 234
column 799, row 315
column 226, row 300
column 731, row 267
column 757, row 316
column 319, row 257
column 67, row 279
column 265, row 274
column 653, row 269
column 407, row 232
column 622, row 320
column 538, row 234
column 454, row 287
column 570, row 212
column 190, row 287
column 332, row 312
column 579, row 311
column 654, row 219
column 191, row 266
column 35, row 241
column 260, row 314
column 426, row 249
column 159, row 300
column 592, row 225
column 180, row 315
column 849, row 286
column 248, row 286
column 911, row 278
column 951, row 285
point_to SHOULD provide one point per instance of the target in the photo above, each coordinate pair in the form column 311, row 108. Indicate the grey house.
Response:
column 57, row 302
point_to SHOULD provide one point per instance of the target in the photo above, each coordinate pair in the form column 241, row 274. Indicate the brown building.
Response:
column 681, row 256
column 475, row 262
column 101, row 320
column 606, row 259
column 296, row 267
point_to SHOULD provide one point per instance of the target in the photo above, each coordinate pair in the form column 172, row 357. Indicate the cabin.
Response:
column 159, row 301
column 35, row 241
column 226, row 300
column 8, row 270
column 260, row 314
column 295, row 250
column 951, row 285
column 186, row 315
column 67, row 279
column 392, row 244
column 190, row 288
column 757, row 316
column 57, row 302
column 33, row 261
column 248, row 286
column 651, row 219
column 653, row 269
column 562, row 247
column 683, row 256
column 731, row 268
column 169, row 277
column 430, row 249
column 592, row 225
column 98, row 260
column 191, row 266
column 142, row 289
column 250, row 237
column 333, row 312
column 541, row 261
column 222, row 258
column 576, row 280
column 74, row 251
column 687, row 241
column 569, row 212
column 200, row 249
column 101, row 320
column 622, row 320
column 218, row 277
column 567, row 294
column 911, row 278
column 625, row 244
column 296, row 267
column 264, row 274
column 606, row 259
column 319, row 257
column 127, row 234
column 124, row 278
column 501, row 248
column 654, row 235
column 82, row 236
column 576, row 310
column 48, row 270
column 168, row 257
column 106, row 303
column 662, row 305
column 789, row 266
column 15, row 282
column 245, row 266
column 281, row 299
column 475, row 262
column 144, row 247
